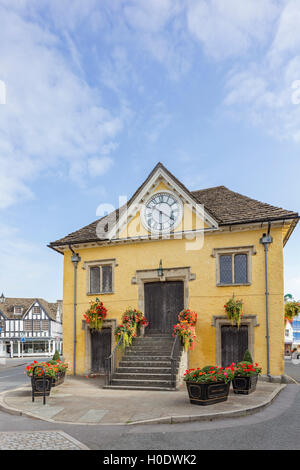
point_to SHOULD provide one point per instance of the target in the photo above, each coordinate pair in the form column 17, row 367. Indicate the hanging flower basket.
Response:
column 134, row 318
column 291, row 310
column 234, row 310
column 188, row 316
column 126, row 333
column 95, row 315
column 186, row 332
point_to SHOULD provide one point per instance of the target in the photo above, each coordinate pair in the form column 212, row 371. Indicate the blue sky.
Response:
column 97, row 92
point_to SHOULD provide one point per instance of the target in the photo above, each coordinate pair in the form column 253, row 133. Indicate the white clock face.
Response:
column 162, row 212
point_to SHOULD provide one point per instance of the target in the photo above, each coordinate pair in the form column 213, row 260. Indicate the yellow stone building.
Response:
column 169, row 248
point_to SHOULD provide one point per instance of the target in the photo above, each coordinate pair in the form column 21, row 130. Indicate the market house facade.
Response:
column 209, row 244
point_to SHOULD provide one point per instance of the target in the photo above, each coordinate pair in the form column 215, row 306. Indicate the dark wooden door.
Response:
column 163, row 302
column 234, row 343
column 101, row 349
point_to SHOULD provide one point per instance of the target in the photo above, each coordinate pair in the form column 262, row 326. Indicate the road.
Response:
column 276, row 427
column 12, row 377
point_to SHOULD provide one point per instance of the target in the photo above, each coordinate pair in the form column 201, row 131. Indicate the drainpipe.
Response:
column 265, row 240
column 75, row 258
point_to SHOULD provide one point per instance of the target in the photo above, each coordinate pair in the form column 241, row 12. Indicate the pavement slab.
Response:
column 39, row 440
column 84, row 401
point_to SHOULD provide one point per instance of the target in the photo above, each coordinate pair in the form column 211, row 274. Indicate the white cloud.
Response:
column 52, row 116
column 229, row 28
column 99, row 166
column 31, row 270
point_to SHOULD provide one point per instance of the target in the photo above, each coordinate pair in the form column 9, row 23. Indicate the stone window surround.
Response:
column 112, row 324
column 170, row 274
column 219, row 320
column 100, row 262
column 247, row 250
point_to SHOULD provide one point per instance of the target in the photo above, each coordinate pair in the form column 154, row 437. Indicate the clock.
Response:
column 162, row 212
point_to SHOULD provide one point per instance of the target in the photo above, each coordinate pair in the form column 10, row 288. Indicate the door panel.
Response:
column 234, row 343
column 101, row 349
column 163, row 302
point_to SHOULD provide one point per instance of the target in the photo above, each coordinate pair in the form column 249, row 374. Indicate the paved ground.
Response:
column 83, row 401
column 275, row 427
column 41, row 440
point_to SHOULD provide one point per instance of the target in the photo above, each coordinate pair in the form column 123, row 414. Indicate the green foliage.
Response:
column 208, row 368
column 210, row 374
column 247, row 357
column 291, row 310
column 247, row 369
column 56, row 356
column 234, row 310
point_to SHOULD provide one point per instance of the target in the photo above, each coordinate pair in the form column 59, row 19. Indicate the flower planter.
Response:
column 59, row 379
column 207, row 393
column 244, row 384
column 37, row 385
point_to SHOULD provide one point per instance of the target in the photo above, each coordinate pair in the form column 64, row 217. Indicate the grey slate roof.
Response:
column 7, row 307
column 225, row 206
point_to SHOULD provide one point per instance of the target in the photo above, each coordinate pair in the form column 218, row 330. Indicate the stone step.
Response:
column 144, row 370
column 153, row 339
column 143, row 377
column 146, row 364
column 148, row 351
column 159, row 334
column 140, row 387
column 145, row 357
column 142, row 383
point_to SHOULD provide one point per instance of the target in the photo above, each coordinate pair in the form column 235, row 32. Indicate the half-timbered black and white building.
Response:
column 30, row 327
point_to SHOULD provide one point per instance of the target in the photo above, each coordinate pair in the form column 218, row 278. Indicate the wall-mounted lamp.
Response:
column 160, row 271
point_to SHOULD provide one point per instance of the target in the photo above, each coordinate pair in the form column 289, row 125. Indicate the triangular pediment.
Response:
column 161, row 207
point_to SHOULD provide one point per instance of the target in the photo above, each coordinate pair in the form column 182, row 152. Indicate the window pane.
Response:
column 95, row 279
column 45, row 325
column 106, row 278
column 36, row 325
column 240, row 269
column 226, row 269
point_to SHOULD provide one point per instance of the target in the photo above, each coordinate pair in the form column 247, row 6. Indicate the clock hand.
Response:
column 164, row 213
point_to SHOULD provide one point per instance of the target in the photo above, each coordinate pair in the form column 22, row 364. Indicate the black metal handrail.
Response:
column 110, row 363
column 176, row 348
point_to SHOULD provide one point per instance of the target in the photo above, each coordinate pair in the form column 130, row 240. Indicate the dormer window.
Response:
column 37, row 309
column 18, row 310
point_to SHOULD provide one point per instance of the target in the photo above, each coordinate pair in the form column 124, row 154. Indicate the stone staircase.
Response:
column 146, row 365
